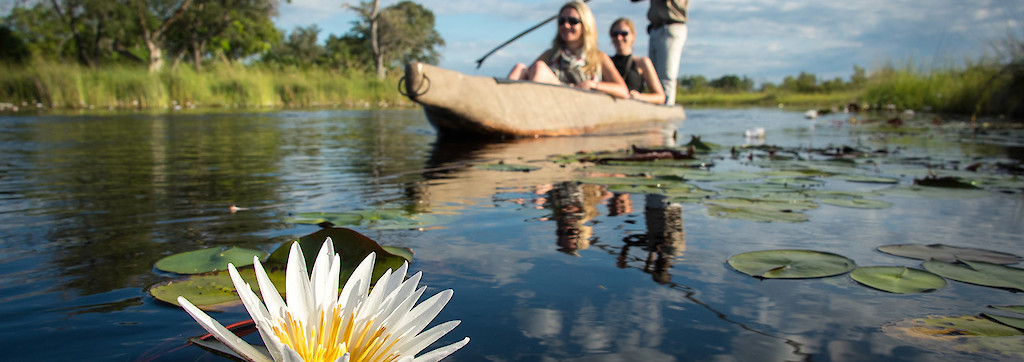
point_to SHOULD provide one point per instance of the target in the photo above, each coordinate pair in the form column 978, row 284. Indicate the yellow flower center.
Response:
column 334, row 336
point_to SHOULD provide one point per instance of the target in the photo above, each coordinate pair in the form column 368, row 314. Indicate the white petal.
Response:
column 291, row 356
column 321, row 275
column 357, row 286
column 425, row 339
column 272, row 298
column 344, row 358
column 252, row 304
column 399, row 296
column 425, row 312
column 297, row 289
column 223, row 334
column 440, row 353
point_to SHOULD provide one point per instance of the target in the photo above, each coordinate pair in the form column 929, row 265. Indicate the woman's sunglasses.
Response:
column 572, row 20
column 618, row 33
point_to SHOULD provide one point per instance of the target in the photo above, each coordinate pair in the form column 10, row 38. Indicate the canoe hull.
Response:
column 460, row 104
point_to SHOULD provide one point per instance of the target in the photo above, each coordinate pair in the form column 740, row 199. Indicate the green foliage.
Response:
column 71, row 86
column 13, row 49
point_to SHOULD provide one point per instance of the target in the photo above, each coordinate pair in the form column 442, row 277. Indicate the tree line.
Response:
column 155, row 33
column 802, row 83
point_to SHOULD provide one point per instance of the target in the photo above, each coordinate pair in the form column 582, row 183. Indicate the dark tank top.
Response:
column 628, row 70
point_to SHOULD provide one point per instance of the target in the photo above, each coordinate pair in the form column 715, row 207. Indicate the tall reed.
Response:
column 70, row 86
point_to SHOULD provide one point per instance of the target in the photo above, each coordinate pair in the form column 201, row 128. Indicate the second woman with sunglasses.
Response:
column 637, row 72
column 574, row 58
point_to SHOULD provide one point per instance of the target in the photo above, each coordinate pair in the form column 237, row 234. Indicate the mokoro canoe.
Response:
column 460, row 104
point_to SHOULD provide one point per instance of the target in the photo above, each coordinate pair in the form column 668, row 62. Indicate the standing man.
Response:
column 667, row 32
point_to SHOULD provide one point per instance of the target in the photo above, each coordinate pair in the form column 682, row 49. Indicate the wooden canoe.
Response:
column 460, row 104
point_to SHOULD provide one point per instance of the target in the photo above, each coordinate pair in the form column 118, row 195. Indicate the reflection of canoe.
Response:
column 456, row 103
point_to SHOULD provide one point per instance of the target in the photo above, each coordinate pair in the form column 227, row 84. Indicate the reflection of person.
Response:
column 667, row 31
column 664, row 241
column 572, row 206
column 574, row 58
column 637, row 72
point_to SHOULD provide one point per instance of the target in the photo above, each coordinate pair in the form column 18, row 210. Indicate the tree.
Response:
column 693, row 83
column 399, row 33
column 300, row 48
column 155, row 17
column 12, row 48
column 208, row 22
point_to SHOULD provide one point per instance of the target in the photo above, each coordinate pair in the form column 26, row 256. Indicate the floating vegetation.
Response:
column 790, row 264
column 976, row 335
column 214, row 290
column 948, row 253
column 898, row 279
column 207, row 260
column 506, row 167
column 856, row 203
column 376, row 219
column 798, row 174
column 980, row 273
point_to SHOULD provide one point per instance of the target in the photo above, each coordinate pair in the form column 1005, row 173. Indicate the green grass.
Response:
column 69, row 86
column 767, row 99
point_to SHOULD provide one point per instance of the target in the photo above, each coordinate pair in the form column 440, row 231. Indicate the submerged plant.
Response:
column 319, row 323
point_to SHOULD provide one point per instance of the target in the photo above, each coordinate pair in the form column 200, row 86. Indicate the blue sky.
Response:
column 763, row 39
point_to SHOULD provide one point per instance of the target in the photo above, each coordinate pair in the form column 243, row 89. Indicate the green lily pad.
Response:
column 948, row 253
column 1008, row 321
column 784, row 205
column 975, row 335
column 756, row 214
column 856, row 203
column 213, row 291
column 207, row 260
column 868, row 179
column 758, row 187
column 507, row 167
column 980, row 273
column 352, row 246
column 936, row 192
column 898, row 279
column 377, row 219
column 800, row 182
column 790, row 264
column 1010, row 308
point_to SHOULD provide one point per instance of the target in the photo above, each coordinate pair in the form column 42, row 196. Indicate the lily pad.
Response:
column 1010, row 308
column 1008, row 321
column 791, row 264
column 898, row 279
column 801, row 182
column 207, row 260
column 756, row 214
column 507, row 167
column 212, row 291
column 868, row 179
column 377, row 219
column 352, row 246
column 980, row 273
column 856, row 203
column 978, row 336
column 948, row 253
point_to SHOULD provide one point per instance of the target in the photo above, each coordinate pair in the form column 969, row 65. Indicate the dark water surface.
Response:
column 89, row 203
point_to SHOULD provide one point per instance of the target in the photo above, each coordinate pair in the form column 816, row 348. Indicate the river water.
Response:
column 88, row 204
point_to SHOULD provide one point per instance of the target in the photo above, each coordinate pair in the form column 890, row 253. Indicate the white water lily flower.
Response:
column 318, row 324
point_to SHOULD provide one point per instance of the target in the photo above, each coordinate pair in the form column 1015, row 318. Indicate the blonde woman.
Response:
column 637, row 72
column 574, row 58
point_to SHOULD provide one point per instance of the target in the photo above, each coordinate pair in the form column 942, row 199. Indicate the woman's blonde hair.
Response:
column 590, row 49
